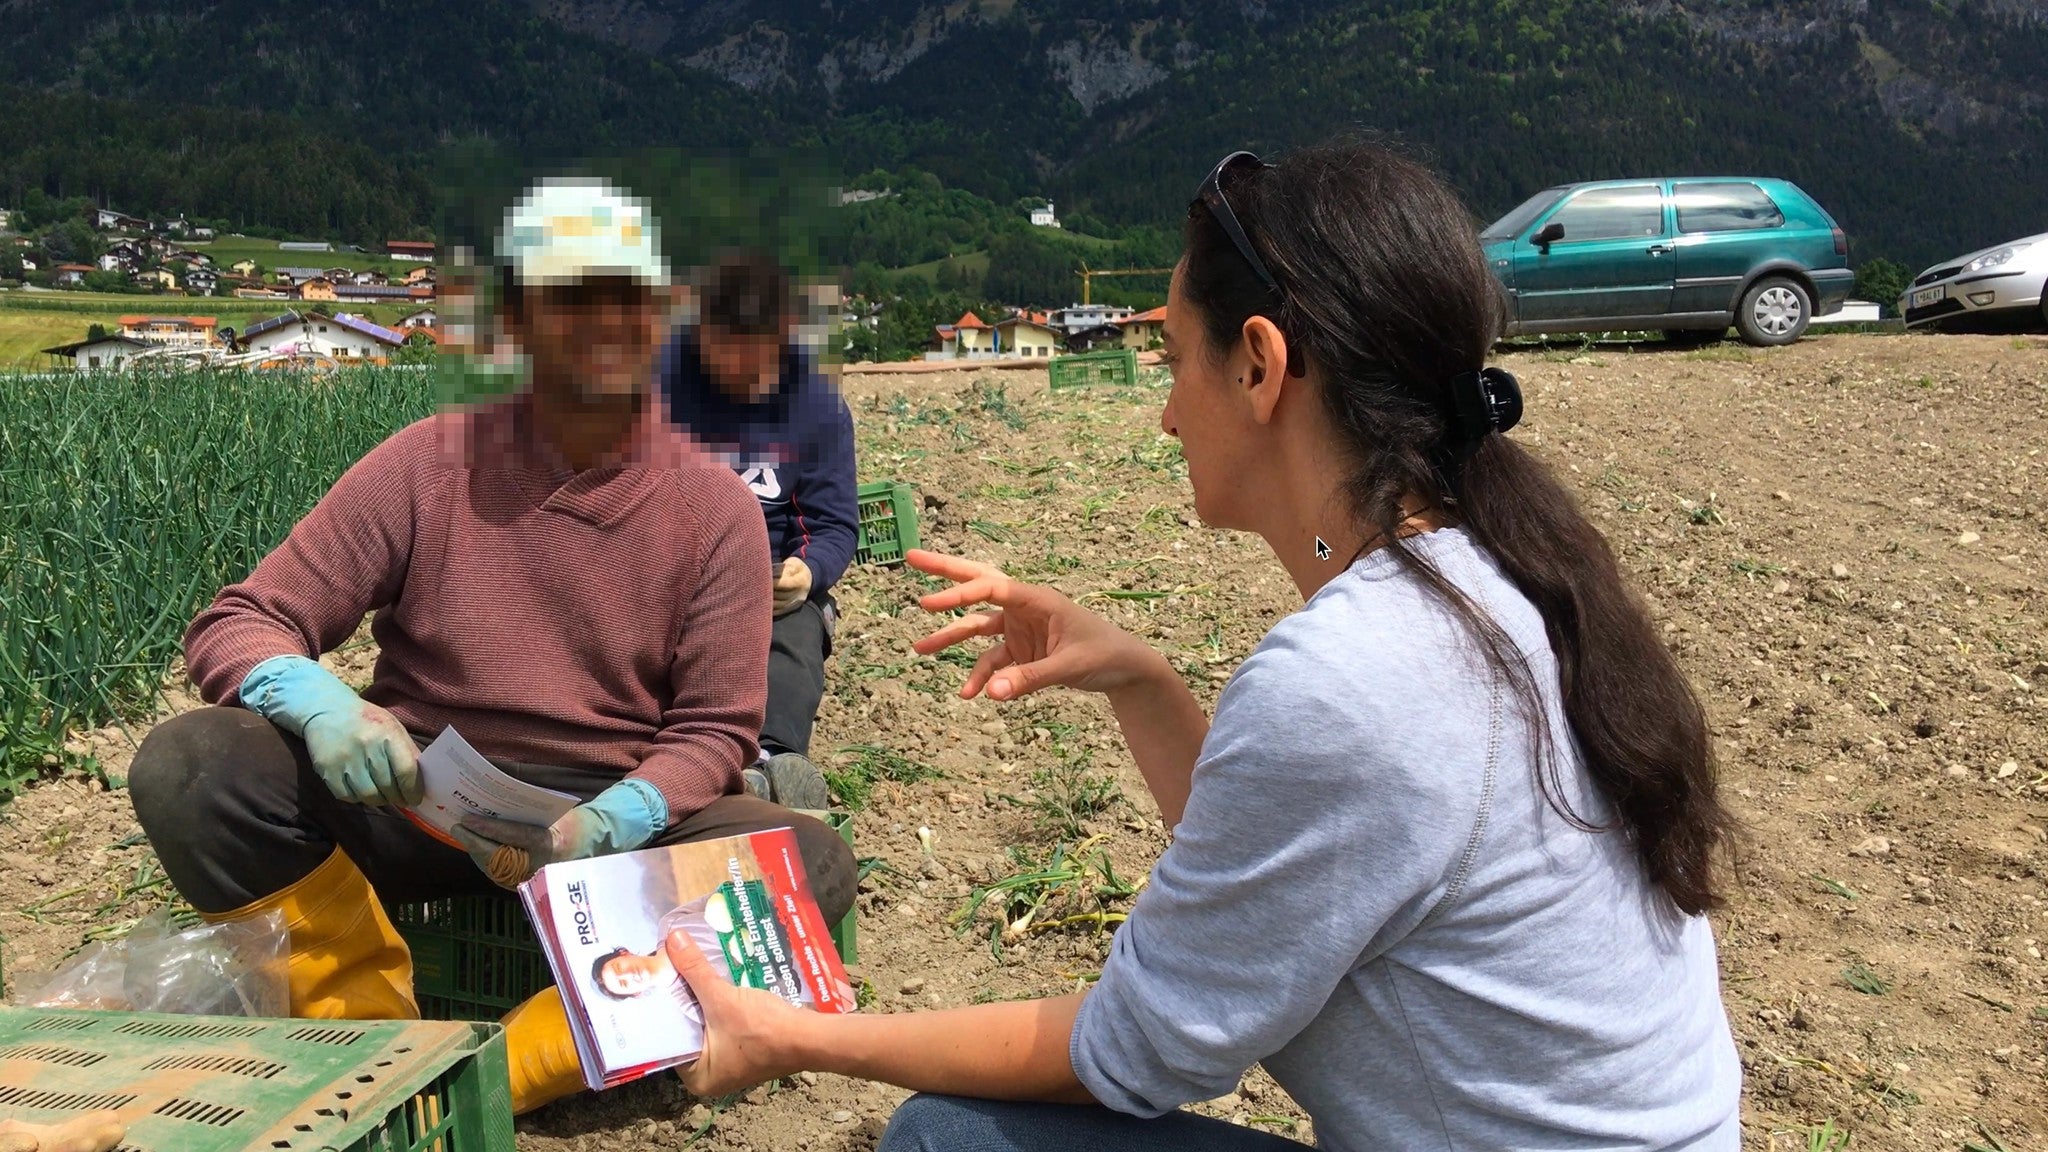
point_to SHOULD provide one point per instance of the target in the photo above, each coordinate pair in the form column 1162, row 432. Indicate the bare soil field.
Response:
column 1844, row 541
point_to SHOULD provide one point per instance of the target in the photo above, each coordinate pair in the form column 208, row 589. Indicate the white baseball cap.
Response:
column 569, row 228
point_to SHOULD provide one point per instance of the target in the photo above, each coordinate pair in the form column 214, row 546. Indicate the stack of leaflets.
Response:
column 608, row 924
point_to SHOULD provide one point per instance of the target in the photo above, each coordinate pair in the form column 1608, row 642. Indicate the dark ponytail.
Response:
column 1382, row 285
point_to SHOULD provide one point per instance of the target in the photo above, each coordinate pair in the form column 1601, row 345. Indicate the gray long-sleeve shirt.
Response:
column 1369, row 894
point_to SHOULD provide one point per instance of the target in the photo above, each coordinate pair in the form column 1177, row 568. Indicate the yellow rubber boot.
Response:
column 347, row 961
column 541, row 1052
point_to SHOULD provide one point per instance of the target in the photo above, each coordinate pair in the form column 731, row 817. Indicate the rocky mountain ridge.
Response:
column 1910, row 119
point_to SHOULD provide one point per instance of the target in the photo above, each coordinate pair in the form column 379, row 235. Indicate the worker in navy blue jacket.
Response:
column 736, row 381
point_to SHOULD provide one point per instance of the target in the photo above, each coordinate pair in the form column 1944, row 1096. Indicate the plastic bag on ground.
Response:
column 232, row 969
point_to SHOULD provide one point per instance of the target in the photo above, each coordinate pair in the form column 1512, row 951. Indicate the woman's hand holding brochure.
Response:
column 628, row 936
column 752, row 1037
column 745, row 1029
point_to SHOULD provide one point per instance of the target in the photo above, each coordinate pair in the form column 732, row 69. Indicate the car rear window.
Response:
column 1736, row 206
column 1613, row 213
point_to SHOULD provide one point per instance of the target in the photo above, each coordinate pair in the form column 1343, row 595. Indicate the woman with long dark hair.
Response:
column 1442, row 858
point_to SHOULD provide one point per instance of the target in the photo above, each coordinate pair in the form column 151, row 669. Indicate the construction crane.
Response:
column 1088, row 276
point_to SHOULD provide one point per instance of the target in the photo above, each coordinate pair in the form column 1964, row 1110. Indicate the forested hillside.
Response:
column 1920, row 125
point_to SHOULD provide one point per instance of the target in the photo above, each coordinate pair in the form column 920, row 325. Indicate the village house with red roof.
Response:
column 172, row 331
column 1145, row 330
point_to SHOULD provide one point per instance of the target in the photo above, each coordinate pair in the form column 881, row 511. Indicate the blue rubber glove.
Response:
column 621, row 818
column 362, row 752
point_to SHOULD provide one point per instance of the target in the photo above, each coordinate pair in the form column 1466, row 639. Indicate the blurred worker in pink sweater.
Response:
column 560, row 575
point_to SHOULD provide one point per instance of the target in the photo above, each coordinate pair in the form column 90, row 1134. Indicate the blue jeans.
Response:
column 954, row 1124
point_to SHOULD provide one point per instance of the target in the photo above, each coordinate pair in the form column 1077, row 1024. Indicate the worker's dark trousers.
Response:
column 796, row 678
column 236, row 813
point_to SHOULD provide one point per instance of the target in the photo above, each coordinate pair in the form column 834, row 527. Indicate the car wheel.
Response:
column 1693, row 337
column 1774, row 311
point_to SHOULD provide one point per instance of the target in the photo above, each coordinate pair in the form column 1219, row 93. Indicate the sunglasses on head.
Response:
column 1211, row 196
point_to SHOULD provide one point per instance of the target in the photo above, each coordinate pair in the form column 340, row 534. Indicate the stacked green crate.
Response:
column 888, row 522
column 227, row 1083
column 1118, row 368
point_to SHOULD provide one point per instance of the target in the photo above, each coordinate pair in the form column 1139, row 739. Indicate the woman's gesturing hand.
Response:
column 1047, row 639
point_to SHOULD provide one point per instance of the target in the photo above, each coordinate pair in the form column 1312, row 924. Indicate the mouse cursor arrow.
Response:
column 1322, row 549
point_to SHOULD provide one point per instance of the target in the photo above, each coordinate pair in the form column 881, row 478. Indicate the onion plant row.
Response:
column 127, row 501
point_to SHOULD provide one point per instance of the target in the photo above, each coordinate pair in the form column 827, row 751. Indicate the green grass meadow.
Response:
column 33, row 321
column 228, row 249
column 972, row 263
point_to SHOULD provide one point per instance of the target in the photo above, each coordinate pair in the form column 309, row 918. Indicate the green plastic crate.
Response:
column 226, row 1083
column 888, row 522
column 476, row 957
column 1119, row 367
column 473, row 957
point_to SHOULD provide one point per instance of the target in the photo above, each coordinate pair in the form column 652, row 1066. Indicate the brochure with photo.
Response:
column 607, row 925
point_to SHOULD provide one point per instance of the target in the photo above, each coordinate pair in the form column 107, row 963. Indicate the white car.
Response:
column 1997, row 288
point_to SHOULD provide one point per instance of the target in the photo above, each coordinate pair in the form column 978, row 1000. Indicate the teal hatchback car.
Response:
column 1687, row 257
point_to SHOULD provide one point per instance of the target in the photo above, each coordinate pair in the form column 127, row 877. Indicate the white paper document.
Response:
column 461, row 783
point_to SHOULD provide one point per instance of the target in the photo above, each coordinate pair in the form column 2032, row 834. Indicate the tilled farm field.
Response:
column 1844, row 541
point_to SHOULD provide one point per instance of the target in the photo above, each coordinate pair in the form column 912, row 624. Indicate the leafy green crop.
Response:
column 128, row 501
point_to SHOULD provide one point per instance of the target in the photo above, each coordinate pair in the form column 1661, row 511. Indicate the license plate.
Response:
column 1926, row 296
